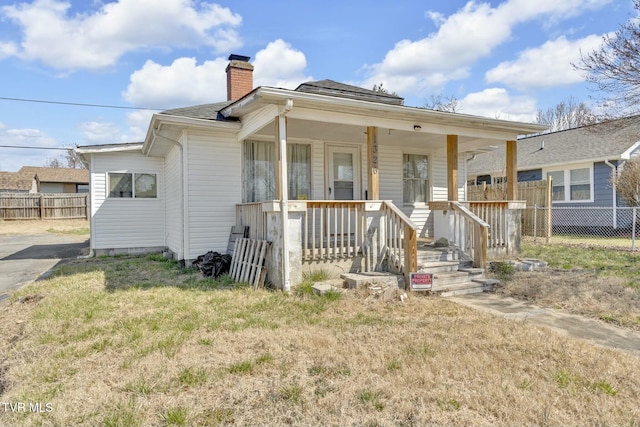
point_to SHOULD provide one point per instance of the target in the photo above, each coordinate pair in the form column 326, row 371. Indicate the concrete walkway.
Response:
column 592, row 330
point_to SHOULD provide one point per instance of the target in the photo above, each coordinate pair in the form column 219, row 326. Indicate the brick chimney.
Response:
column 239, row 77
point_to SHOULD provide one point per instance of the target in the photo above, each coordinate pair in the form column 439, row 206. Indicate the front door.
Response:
column 343, row 173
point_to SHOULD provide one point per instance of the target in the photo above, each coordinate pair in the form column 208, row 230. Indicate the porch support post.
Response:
column 372, row 167
column 512, row 170
column 452, row 168
column 282, row 191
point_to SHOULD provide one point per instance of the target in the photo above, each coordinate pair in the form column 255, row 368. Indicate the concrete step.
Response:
column 438, row 266
column 357, row 280
column 451, row 278
column 429, row 253
column 470, row 287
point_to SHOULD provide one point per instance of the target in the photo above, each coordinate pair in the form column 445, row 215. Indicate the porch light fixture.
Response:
column 417, row 127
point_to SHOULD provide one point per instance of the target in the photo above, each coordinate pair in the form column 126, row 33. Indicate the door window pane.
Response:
column 343, row 176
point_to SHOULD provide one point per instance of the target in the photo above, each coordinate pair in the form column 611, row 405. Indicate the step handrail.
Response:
column 478, row 237
column 409, row 239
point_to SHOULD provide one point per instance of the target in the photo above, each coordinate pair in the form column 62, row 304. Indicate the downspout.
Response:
column 614, row 204
column 284, row 195
column 91, row 253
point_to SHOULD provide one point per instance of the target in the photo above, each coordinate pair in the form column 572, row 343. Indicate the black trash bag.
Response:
column 213, row 264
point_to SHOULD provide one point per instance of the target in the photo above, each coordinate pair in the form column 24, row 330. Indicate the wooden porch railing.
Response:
column 494, row 213
column 341, row 229
column 402, row 239
column 470, row 234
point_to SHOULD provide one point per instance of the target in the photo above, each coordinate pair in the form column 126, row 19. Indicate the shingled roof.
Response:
column 608, row 140
column 69, row 175
column 16, row 181
column 342, row 90
column 320, row 87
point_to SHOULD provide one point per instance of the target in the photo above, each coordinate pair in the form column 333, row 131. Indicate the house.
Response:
column 579, row 161
column 58, row 180
column 16, row 182
column 327, row 172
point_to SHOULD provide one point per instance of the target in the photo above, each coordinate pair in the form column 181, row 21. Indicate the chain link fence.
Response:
column 617, row 228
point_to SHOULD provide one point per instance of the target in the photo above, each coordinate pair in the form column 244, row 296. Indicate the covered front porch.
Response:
column 377, row 180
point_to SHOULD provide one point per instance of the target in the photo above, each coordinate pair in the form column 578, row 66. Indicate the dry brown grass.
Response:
column 36, row 226
column 579, row 292
column 132, row 341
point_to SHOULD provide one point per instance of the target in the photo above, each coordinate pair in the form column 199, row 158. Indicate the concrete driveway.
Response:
column 25, row 258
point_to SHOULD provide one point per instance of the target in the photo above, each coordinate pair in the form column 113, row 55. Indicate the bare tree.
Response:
column 614, row 68
column 450, row 104
column 627, row 182
column 567, row 114
column 68, row 160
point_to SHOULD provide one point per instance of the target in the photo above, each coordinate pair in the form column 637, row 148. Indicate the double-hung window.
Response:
column 415, row 178
column 572, row 185
column 260, row 171
column 127, row 185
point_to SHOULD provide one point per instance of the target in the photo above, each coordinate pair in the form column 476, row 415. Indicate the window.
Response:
column 260, row 171
column 133, row 185
column 415, row 183
column 572, row 185
column 557, row 180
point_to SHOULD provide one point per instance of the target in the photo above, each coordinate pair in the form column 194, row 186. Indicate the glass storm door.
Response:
column 343, row 173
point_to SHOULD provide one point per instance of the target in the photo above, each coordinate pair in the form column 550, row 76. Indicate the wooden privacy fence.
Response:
column 43, row 206
column 535, row 193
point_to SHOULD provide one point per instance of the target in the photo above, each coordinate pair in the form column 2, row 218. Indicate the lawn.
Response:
column 137, row 341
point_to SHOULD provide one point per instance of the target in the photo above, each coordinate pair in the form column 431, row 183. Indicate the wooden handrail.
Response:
column 409, row 240
column 480, row 234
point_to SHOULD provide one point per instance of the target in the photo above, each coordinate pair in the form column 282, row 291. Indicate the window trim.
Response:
column 133, row 185
column 567, row 181
column 429, row 194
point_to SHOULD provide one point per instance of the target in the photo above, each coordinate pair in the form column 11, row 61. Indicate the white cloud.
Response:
column 138, row 122
column 545, row 66
column 463, row 38
column 100, row 133
column 7, row 49
column 280, row 65
column 184, row 82
column 98, row 39
column 498, row 103
column 12, row 159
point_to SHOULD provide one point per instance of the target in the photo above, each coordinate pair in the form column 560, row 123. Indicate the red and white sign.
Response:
column 421, row 281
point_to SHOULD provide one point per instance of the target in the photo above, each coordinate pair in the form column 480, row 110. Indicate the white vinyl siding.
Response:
column 214, row 186
column 173, row 172
column 126, row 223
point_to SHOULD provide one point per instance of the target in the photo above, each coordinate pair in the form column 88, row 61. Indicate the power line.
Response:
column 35, row 148
column 77, row 104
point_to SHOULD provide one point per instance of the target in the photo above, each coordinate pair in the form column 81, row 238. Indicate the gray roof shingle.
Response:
column 16, row 181
column 342, row 90
column 45, row 174
column 204, row 111
column 607, row 140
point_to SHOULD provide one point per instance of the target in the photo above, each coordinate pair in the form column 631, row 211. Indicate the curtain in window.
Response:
column 415, row 175
column 558, row 184
column 299, row 171
column 259, row 171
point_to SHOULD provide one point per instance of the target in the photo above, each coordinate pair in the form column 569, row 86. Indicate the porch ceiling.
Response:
column 336, row 132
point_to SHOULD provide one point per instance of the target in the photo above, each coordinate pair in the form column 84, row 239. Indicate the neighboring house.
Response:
column 58, row 180
column 304, row 168
column 17, row 182
column 580, row 162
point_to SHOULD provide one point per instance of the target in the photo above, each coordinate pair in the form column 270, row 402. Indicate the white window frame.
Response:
column 567, row 181
column 133, row 185
column 429, row 194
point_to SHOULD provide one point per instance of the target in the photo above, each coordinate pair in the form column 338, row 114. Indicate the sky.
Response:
column 500, row 59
